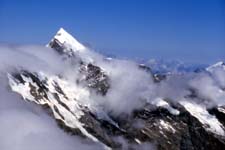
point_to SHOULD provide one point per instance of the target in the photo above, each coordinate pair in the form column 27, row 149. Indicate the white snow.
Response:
column 166, row 125
column 137, row 140
column 200, row 112
column 159, row 102
column 22, row 89
column 68, row 41
column 216, row 65
column 221, row 109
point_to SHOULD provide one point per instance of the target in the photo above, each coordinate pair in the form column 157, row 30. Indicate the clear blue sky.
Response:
column 188, row 30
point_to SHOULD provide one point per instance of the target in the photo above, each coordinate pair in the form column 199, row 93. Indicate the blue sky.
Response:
column 187, row 30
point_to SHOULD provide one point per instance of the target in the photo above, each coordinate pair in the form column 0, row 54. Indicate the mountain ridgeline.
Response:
column 89, row 104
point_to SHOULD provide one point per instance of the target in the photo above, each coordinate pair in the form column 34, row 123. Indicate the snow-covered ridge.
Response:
column 162, row 103
column 68, row 41
column 210, row 122
column 216, row 65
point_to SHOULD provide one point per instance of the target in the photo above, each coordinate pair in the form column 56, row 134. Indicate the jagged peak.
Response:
column 220, row 63
column 67, row 40
column 216, row 65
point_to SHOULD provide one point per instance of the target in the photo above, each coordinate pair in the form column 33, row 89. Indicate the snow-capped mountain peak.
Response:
column 216, row 65
column 220, row 63
column 66, row 42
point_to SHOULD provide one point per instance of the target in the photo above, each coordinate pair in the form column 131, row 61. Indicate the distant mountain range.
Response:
column 162, row 66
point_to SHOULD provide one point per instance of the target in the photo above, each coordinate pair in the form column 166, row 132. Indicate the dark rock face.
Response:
column 199, row 137
column 150, row 124
column 219, row 112
column 95, row 78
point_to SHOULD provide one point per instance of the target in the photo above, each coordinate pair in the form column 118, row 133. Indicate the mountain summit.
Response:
column 64, row 42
